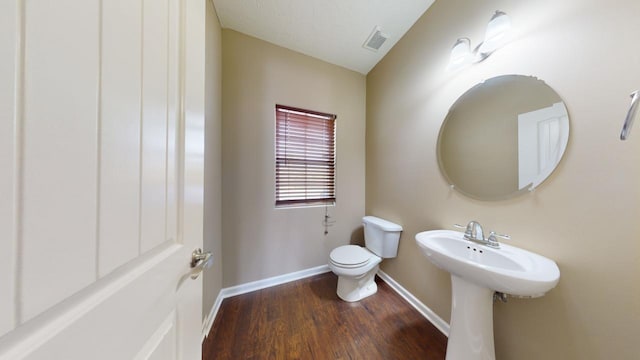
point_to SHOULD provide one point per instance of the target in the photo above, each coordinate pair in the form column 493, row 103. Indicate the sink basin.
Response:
column 509, row 269
column 477, row 272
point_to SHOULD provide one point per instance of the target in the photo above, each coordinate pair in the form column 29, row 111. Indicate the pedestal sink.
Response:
column 477, row 271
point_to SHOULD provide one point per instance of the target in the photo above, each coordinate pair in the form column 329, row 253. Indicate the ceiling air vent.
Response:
column 376, row 39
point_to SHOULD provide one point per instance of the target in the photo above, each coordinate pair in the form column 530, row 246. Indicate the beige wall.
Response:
column 260, row 241
column 585, row 216
column 213, row 159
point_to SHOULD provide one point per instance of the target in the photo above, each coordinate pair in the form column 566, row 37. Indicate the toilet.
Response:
column 357, row 266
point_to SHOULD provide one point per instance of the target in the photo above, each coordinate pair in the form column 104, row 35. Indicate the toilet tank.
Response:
column 381, row 236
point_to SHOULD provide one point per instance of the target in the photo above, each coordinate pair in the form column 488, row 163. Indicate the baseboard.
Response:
column 273, row 281
column 257, row 285
column 208, row 323
column 423, row 309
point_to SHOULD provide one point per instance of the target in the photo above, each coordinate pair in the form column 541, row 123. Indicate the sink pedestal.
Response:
column 471, row 329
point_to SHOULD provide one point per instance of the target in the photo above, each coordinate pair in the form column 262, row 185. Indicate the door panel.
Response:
column 102, row 132
column 59, row 152
column 8, row 158
column 173, row 124
column 162, row 344
column 120, row 131
column 154, row 122
column 112, row 319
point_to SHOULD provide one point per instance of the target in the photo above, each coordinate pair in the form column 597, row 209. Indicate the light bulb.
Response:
column 461, row 55
column 497, row 34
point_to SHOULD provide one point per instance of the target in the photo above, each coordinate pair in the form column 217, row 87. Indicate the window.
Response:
column 305, row 157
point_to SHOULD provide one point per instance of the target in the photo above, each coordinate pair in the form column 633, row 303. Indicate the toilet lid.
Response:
column 350, row 256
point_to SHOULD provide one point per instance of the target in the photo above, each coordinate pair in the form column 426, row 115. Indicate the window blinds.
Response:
column 305, row 157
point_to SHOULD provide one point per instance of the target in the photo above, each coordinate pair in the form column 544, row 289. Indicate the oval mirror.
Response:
column 503, row 137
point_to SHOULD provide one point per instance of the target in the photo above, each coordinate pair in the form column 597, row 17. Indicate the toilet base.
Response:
column 352, row 289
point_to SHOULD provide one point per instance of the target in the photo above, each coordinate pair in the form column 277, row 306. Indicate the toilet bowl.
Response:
column 357, row 266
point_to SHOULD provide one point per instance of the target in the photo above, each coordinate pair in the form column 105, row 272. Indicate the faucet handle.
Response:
column 493, row 242
column 467, row 230
column 473, row 231
column 493, row 235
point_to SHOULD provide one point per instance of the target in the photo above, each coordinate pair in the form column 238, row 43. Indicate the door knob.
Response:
column 200, row 260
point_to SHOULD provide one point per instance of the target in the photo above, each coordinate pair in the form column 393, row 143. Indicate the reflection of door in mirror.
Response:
column 541, row 143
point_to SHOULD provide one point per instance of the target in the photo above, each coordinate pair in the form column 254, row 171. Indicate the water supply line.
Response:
column 327, row 222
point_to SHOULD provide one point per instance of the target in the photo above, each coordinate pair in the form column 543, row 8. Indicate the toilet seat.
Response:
column 350, row 256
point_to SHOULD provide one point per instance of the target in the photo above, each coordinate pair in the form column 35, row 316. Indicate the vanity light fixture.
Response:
column 495, row 37
column 461, row 55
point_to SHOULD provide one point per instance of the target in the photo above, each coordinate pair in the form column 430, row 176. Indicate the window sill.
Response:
column 303, row 206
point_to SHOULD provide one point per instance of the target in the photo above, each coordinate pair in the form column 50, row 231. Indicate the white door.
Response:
column 542, row 139
column 101, row 160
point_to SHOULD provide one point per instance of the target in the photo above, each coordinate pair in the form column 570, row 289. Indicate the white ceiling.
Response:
column 330, row 30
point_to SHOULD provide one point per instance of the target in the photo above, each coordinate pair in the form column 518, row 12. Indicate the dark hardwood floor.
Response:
column 305, row 319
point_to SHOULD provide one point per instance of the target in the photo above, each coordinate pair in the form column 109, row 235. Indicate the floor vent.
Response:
column 376, row 39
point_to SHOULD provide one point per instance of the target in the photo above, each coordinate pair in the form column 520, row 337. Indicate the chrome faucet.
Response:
column 473, row 232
